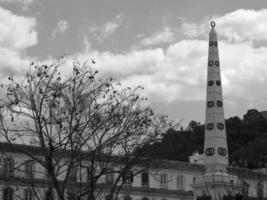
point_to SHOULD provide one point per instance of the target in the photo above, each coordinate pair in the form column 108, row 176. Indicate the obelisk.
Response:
column 215, row 183
column 215, row 148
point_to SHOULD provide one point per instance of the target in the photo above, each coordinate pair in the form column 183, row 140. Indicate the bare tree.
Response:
column 84, row 126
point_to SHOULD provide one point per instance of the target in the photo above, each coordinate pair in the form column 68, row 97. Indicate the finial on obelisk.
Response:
column 212, row 24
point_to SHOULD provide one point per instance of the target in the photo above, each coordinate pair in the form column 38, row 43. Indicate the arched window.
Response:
column 29, row 169
column 209, row 126
column 218, row 83
column 28, row 194
column 210, row 104
column 145, row 179
column 260, row 190
column 180, row 182
column 164, row 181
column 8, row 193
column 245, row 188
column 8, row 166
column 210, row 83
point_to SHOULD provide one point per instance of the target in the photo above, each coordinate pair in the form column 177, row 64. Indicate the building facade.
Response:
column 172, row 180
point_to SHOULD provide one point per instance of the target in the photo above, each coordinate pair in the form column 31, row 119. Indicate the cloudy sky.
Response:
column 159, row 44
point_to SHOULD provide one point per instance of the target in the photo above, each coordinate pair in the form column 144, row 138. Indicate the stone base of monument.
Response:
column 215, row 186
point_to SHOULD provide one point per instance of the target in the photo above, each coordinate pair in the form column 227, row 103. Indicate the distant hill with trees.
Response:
column 247, row 141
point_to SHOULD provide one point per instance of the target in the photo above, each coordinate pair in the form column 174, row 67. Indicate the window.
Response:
column 8, row 166
column 145, row 198
column 145, row 179
column 128, row 177
column 209, row 151
column 28, row 194
column 194, row 179
column 229, row 193
column 217, row 63
column 180, row 182
column 109, row 179
column 210, row 104
column 127, row 198
column 218, row 83
column 209, row 126
column 211, row 63
column 108, row 197
column 220, row 126
column 245, row 188
column 70, row 195
column 204, row 193
column 222, row 151
column 260, row 190
column 211, row 43
column 163, row 181
column 73, row 174
column 219, row 103
column 49, row 194
column 8, row 194
column 29, row 169
column 210, row 83
column 88, row 173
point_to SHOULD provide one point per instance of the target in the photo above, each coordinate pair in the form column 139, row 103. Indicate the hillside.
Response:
column 247, row 141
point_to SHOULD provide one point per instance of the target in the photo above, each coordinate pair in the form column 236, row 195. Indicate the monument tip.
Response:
column 212, row 24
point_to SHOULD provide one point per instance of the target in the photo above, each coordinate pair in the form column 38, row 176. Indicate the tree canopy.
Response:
column 82, row 114
column 247, row 141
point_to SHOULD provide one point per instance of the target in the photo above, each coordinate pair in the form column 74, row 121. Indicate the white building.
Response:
column 173, row 180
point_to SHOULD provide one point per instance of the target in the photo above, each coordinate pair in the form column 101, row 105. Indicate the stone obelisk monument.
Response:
column 215, row 148
column 215, row 182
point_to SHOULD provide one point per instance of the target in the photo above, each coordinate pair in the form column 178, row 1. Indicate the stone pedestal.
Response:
column 216, row 185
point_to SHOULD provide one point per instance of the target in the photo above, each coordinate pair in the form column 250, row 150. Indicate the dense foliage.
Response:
column 247, row 141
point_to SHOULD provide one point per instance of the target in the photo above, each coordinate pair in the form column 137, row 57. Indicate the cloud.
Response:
column 62, row 27
column 238, row 26
column 17, row 33
column 178, row 73
column 166, row 74
column 25, row 3
column 107, row 29
column 164, row 36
